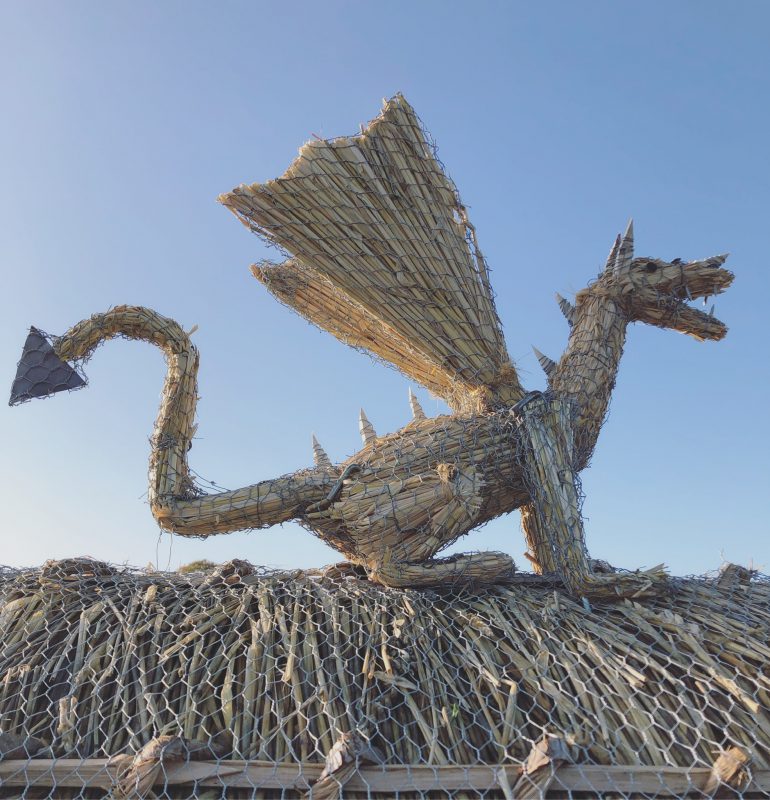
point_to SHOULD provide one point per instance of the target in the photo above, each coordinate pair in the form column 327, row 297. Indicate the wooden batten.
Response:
column 663, row 781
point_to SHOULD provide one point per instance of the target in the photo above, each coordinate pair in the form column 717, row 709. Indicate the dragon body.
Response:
column 396, row 503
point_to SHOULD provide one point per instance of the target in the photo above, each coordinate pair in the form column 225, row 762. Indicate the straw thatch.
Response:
column 275, row 668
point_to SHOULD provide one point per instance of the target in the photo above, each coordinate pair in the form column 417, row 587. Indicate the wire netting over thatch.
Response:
column 277, row 669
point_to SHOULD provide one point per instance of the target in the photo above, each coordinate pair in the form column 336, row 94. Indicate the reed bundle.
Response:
column 96, row 662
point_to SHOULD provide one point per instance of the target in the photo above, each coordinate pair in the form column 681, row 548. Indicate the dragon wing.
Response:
column 318, row 300
column 385, row 257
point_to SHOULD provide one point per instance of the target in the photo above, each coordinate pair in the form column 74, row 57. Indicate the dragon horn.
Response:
column 368, row 434
column 417, row 412
column 548, row 364
column 319, row 455
column 41, row 372
column 625, row 254
column 566, row 308
column 609, row 264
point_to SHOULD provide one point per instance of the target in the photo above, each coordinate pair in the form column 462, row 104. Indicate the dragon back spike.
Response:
column 368, row 434
column 414, row 403
column 548, row 364
column 320, row 457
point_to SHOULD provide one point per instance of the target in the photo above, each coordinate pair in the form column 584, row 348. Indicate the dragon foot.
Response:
column 467, row 568
column 618, row 586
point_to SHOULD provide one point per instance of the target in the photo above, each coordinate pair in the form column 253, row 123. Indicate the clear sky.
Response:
column 122, row 122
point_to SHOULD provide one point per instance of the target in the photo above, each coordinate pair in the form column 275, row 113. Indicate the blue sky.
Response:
column 122, row 122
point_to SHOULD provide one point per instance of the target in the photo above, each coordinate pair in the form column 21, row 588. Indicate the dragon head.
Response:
column 658, row 292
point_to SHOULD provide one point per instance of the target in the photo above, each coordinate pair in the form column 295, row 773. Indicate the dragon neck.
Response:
column 174, row 427
column 588, row 368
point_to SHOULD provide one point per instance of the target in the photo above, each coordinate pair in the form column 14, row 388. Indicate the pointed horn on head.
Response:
column 625, row 254
column 609, row 264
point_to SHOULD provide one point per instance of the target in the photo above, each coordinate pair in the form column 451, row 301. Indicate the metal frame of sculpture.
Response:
column 383, row 257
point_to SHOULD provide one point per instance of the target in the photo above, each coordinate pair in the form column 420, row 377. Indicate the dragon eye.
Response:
column 650, row 266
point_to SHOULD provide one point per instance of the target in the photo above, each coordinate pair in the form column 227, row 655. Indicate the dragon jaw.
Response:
column 657, row 292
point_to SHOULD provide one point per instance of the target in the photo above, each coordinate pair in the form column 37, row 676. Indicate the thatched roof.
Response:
column 98, row 661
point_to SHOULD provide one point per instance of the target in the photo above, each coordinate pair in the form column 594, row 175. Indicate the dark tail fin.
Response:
column 41, row 372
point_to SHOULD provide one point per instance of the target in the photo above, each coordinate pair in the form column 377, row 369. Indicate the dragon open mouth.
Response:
column 684, row 283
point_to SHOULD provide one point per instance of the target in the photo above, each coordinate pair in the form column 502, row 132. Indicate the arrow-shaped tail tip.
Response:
column 41, row 372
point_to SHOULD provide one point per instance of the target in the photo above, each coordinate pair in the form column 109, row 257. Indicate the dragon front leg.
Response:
column 553, row 519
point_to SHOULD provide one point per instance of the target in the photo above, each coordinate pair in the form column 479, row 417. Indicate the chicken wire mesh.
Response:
column 240, row 682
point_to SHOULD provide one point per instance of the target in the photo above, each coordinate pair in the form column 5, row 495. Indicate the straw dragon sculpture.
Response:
column 385, row 259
